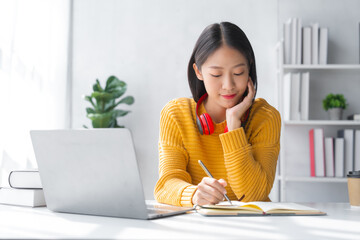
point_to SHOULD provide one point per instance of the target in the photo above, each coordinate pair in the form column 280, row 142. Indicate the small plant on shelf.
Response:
column 103, row 114
column 334, row 104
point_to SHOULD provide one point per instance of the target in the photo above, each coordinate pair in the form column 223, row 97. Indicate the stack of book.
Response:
column 25, row 189
column 334, row 157
column 305, row 45
column 296, row 96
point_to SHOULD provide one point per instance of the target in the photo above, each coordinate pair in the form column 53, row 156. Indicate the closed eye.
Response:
column 238, row 74
column 215, row 75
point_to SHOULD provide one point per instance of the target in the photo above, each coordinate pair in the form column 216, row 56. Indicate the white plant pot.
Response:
column 335, row 113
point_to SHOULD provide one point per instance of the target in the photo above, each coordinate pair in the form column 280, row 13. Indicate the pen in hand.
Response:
column 209, row 174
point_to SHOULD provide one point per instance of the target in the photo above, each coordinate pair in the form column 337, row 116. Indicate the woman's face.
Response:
column 225, row 74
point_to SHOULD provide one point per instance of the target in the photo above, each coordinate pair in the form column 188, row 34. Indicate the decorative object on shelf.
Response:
column 103, row 114
column 334, row 104
column 355, row 117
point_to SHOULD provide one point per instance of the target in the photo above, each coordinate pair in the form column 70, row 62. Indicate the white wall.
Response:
column 33, row 75
column 148, row 45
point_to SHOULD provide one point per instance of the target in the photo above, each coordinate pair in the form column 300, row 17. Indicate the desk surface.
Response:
column 342, row 222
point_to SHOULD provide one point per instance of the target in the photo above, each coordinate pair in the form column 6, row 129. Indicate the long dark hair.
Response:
column 212, row 38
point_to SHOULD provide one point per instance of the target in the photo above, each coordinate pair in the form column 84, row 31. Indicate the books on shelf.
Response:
column 348, row 135
column 287, row 96
column 329, row 157
column 305, row 44
column 317, row 152
column 293, row 41
column 287, row 41
column 298, row 41
column 22, row 197
column 334, row 157
column 25, row 179
column 339, row 157
column 304, row 96
column 296, row 96
column 257, row 208
column 315, row 43
column 323, row 45
column 312, row 152
column 294, row 26
column 25, row 189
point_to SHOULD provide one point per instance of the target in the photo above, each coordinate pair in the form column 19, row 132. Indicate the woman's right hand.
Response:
column 209, row 191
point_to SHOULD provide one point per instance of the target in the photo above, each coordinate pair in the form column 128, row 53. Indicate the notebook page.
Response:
column 235, row 204
column 267, row 206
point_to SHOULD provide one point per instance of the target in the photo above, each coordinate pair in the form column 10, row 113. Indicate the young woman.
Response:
column 235, row 136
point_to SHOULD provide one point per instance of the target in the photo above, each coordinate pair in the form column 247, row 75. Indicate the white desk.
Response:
column 342, row 222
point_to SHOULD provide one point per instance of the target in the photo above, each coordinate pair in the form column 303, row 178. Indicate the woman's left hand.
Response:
column 234, row 114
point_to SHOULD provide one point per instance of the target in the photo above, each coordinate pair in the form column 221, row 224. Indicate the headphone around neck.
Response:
column 204, row 121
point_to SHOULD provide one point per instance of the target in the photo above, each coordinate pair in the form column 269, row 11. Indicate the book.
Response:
column 257, row 208
column 287, row 96
column 323, row 45
column 304, row 96
column 298, row 41
column 307, row 45
column 319, row 152
column 22, row 197
column 312, row 153
column 295, row 96
column 348, row 135
column 357, row 151
column 329, row 157
column 339, row 157
column 315, row 43
column 1, row 59
column 294, row 24
column 287, row 41
column 355, row 117
column 25, row 179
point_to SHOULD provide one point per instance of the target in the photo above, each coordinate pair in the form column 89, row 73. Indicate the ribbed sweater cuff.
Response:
column 186, row 197
column 233, row 140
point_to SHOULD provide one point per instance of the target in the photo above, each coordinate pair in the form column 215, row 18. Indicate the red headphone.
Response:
column 204, row 121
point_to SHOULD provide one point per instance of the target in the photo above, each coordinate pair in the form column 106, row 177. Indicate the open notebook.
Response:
column 257, row 208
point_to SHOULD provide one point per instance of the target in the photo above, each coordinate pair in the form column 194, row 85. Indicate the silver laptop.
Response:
column 93, row 172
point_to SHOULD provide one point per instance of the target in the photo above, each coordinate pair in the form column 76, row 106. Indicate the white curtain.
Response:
column 34, row 43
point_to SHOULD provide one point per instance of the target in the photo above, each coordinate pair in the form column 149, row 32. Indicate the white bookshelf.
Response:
column 294, row 159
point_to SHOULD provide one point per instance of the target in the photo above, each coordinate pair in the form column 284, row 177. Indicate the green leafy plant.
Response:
column 103, row 100
column 334, row 101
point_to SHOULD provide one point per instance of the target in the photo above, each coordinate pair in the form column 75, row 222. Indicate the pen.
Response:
column 209, row 174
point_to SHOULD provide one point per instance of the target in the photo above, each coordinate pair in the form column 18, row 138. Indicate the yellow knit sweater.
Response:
column 245, row 158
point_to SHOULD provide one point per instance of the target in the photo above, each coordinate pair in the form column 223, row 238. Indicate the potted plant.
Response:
column 334, row 104
column 104, row 101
